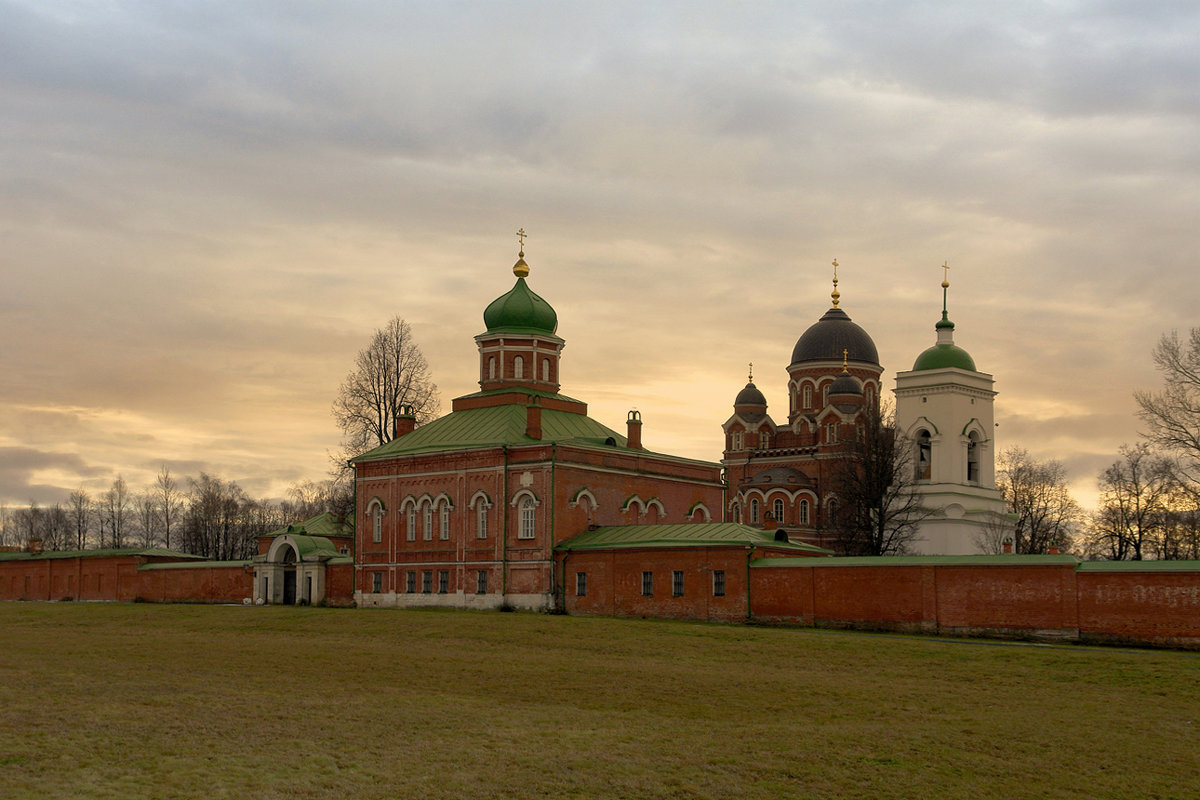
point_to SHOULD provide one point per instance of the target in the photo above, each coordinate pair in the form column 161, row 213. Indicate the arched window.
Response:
column 831, row 432
column 870, row 395
column 807, row 396
column 377, row 523
column 492, row 368
column 481, row 520
column 824, row 395
column 764, row 439
column 411, row 528
column 738, row 441
column 444, row 532
column 924, row 465
column 518, row 367
column 754, row 511
column 428, row 532
column 803, row 512
column 546, row 370
column 972, row 457
column 777, row 510
column 527, row 528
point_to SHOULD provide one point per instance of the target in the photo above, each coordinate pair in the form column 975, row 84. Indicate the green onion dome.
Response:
column 521, row 310
column 941, row 356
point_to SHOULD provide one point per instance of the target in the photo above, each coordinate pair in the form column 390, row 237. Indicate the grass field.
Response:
column 128, row 701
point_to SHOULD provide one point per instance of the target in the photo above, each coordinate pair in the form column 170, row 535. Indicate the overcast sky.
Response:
column 207, row 208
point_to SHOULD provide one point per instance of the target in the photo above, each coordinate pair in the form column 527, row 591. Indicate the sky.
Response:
column 206, row 209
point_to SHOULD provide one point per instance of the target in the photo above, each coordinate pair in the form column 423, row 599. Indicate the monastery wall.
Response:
column 1039, row 597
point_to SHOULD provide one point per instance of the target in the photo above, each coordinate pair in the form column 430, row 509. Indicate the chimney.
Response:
column 634, row 423
column 1008, row 545
column 405, row 422
column 533, row 418
column 1053, row 551
column 35, row 546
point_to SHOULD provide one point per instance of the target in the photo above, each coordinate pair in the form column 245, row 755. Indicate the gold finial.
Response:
column 751, row 378
column 835, row 294
column 845, row 355
column 521, row 269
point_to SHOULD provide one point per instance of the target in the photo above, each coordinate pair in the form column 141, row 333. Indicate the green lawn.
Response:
column 127, row 701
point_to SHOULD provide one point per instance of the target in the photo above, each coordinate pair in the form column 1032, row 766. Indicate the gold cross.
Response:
column 945, row 273
column 751, row 379
column 521, row 237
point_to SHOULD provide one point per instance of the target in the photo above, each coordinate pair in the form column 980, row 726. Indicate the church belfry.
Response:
column 944, row 409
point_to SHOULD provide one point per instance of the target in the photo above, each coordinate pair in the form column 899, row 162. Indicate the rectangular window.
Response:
column 427, row 581
column 444, row 533
column 647, row 584
column 481, row 581
column 677, row 583
column 443, row 581
column 718, row 583
column 481, row 521
column 376, row 582
column 580, row 584
column 410, row 581
column 428, row 533
column 411, row 532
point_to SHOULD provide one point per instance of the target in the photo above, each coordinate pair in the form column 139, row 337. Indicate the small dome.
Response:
column 828, row 337
column 941, row 356
column 846, row 384
column 750, row 396
column 520, row 310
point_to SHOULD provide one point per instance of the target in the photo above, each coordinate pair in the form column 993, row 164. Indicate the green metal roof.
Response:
column 493, row 427
column 944, row 355
column 325, row 524
column 919, row 561
column 148, row 552
column 1140, row 566
column 520, row 311
column 691, row 534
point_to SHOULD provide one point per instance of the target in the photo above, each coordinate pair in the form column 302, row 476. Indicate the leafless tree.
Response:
column 310, row 498
column 1036, row 493
column 115, row 510
column 388, row 373
column 1135, row 494
column 878, row 510
column 145, row 509
column 79, row 509
column 7, row 537
column 1172, row 415
column 170, row 501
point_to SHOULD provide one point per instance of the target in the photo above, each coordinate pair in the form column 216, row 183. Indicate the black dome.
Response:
column 845, row 384
column 750, row 396
column 828, row 337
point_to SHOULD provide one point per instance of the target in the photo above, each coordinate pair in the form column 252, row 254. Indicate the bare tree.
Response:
column 389, row 373
column 310, row 498
column 79, row 509
column 145, row 510
column 1172, row 415
column 115, row 509
column 878, row 510
column 7, row 538
column 1135, row 493
column 1179, row 535
column 1036, row 493
column 170, row 501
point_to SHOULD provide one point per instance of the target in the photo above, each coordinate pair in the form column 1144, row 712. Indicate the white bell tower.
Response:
column 944, row 411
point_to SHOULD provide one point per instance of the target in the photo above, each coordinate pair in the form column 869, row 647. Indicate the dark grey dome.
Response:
column 845, row 384
column 828, row 337
column 750, row 396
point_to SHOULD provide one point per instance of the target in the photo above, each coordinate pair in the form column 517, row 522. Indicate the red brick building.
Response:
column 468, row 509
column 780, row 474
